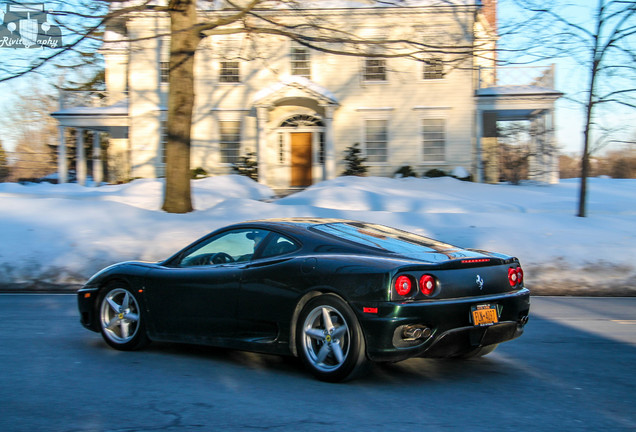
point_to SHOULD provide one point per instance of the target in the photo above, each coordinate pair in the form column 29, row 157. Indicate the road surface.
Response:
column 573, row 370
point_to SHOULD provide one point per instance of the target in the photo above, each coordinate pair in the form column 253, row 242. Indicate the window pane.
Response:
column 434, row 69
column 230, row 141
column 300, row 61
column 375, row 70
column 164, row 68
column 230, row 71
column 433, row 140
column 376, row 140
column 278, row 245
column 164, row 140
column 240, row 245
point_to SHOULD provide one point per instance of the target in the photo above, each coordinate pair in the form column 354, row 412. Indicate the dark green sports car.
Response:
column 336, row 293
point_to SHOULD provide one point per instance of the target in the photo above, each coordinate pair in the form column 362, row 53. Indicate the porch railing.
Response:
column 539, row 76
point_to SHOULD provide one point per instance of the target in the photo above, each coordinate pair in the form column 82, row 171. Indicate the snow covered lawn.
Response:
column 61, row 234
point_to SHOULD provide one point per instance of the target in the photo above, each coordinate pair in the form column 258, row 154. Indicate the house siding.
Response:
column 404, row 99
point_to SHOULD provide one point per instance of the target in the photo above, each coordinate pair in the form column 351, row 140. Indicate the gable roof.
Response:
column 292, row 86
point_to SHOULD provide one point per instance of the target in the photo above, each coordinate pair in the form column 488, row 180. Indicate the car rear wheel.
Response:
column 329, row 339
column 121, row 319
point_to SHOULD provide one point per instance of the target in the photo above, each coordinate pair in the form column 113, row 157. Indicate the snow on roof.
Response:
column 117, row 109
column 517, row 90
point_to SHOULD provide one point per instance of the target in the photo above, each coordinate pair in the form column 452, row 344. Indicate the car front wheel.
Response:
column 329, row 339
column 121, row 319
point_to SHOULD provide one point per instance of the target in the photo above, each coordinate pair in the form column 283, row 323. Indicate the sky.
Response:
column 572, row 74
column 62, row 234
column 569, row 76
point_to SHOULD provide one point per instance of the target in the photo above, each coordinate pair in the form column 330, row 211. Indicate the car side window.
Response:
column 228, row 247
column 278, row 245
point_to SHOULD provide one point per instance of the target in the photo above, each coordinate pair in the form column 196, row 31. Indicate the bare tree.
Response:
column 189, row 27
column 602, row 44
column 4, row 164
column 33, row 131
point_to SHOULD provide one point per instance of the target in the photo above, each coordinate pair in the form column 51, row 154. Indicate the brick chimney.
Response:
column 489, row 9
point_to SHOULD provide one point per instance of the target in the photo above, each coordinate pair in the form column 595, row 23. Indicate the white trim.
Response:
column 374, row 109
column 422, row 107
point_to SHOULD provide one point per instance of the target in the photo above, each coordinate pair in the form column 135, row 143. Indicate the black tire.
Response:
column 329, row 339
column 121, row 319
column 479, row 352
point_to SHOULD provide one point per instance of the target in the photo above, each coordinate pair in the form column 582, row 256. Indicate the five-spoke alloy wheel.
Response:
column 120, row 319
column 329, row 339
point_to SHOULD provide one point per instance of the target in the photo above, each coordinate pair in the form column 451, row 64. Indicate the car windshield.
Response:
column 382, row 237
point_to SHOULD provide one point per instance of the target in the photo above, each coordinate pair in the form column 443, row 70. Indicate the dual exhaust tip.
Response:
column 414, row 332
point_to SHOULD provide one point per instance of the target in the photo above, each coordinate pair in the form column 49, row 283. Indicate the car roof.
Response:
column 296, row 221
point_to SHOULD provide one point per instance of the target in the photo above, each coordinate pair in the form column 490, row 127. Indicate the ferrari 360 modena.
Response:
column 338, row 294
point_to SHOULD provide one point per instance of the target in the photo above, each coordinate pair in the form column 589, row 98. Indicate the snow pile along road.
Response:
column 61, row 234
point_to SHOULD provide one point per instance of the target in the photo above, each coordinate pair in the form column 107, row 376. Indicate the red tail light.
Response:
column 427, row 284
column 403, row 285
column 515, row 276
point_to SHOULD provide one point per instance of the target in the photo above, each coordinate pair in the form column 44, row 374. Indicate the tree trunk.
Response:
column 585, row 158
column 183, row 44
column 597, row 53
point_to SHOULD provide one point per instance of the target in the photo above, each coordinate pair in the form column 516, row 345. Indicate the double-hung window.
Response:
column 300, row 60
column 433, row 69
column 375, row 69
column 164, row 72
column 230, row 72
column 163, row 143
column 433, row 140
column 376, row 140
column 230, row 141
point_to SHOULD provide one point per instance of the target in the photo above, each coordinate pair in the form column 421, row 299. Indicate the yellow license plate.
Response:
column 484, row 315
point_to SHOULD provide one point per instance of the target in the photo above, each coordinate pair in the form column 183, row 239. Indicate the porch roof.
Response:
column 94, row 117
column 518, row 90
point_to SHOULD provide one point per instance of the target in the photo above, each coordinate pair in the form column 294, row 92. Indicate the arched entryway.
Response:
column 306, row 147
column 295, row 140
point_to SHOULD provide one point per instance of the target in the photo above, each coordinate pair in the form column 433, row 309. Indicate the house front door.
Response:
column 301, row 159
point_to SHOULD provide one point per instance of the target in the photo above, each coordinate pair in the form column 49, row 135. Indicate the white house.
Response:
column 298, row 109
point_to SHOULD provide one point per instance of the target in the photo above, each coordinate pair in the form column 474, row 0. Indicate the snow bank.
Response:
column 61, row 234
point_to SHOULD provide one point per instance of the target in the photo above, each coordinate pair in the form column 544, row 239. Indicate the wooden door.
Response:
column 301, row 159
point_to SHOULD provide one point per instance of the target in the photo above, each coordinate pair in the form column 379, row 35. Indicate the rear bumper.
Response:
column 447, row 323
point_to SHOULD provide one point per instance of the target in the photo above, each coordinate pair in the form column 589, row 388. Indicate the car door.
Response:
column 195, row 299
column 269, row 288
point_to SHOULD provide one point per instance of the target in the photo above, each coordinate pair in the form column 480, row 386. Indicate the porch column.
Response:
column 261, row 145
column 553, row 177
column 329, row 167
column 62, row 168
column 98, row 173
column 80, row 158
column 479, row 132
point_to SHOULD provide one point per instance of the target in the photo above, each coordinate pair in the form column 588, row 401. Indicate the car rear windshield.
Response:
column 382, row 237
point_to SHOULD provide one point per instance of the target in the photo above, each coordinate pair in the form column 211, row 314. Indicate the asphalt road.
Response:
column 573, row 370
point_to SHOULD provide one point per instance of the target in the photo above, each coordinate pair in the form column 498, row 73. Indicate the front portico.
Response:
column 295, row 139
